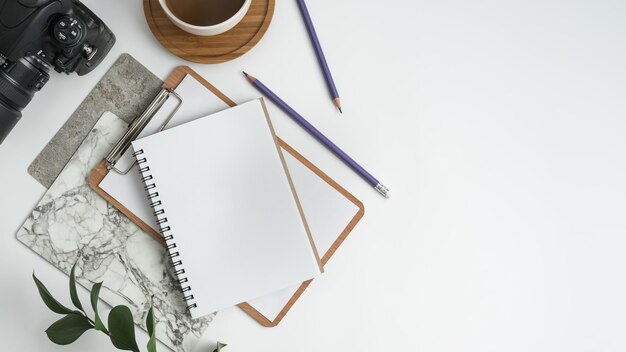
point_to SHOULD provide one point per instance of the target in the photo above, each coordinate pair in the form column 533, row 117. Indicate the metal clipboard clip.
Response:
column 138, row 124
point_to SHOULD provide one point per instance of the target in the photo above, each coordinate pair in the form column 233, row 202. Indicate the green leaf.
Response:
column 152, row 344
column 122, row 329
column 73, row 292
column 52, row 303
column 150, row 321
column 68, row 329
column 219, row 346
column 95, row 293
column 150, row 327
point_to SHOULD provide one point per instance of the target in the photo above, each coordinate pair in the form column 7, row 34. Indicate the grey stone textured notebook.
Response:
column 124, row 90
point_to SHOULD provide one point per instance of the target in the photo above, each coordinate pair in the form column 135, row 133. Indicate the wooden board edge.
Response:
column 179, row 73
column 263, row 320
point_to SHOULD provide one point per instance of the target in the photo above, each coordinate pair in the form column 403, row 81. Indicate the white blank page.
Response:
column 327, row 212
column 231, row 209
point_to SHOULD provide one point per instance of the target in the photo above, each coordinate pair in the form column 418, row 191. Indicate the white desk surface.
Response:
column 498, row 125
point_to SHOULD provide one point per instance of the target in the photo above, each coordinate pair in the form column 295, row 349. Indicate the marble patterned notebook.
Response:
column 72, row 223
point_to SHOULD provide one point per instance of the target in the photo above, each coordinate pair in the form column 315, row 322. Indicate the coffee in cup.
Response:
column 204, row 12
column 205, row 17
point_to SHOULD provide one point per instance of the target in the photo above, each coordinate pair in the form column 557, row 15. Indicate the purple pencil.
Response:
column 320, row 54
column 319, row 136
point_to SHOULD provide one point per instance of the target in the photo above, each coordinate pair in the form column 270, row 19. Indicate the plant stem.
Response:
column 91, row 321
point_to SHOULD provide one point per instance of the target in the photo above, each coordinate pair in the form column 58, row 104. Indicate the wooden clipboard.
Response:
column 101, row 170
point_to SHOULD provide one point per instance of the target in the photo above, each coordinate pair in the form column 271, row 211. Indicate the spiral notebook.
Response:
column 331, row 211
column 225, row 204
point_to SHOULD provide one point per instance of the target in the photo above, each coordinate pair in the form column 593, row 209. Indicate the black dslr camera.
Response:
column 38, row 34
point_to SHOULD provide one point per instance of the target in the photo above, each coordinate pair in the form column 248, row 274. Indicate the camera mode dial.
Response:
column 67, row 31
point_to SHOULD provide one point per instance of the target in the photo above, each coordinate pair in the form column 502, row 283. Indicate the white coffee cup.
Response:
column 214, row 29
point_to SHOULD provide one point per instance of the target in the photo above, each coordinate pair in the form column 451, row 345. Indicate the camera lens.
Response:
column 19, row 81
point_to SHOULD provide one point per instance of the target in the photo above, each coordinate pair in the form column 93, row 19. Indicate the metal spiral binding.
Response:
column 165, row 230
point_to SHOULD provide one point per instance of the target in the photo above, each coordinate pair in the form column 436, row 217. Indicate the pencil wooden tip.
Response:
column 337, row 103
column 249, row 77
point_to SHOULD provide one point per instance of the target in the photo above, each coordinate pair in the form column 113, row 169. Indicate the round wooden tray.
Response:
column 214, row 49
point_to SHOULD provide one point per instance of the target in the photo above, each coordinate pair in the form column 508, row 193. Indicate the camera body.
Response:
column 38, row 34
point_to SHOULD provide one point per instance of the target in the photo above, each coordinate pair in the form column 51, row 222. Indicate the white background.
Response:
column 498, row 125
